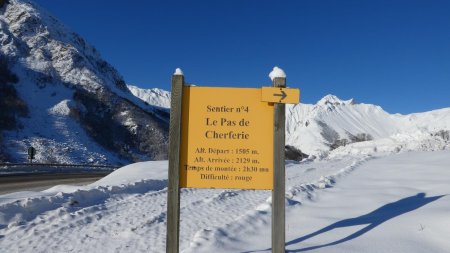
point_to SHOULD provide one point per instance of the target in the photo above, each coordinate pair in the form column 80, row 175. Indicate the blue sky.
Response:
column 394, row 53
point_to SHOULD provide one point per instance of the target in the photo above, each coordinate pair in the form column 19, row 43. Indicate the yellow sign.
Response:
column 226, row 139
column 280, row 95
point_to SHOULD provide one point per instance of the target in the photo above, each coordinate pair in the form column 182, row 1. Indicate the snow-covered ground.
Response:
column 383, row 203
column 398, row 203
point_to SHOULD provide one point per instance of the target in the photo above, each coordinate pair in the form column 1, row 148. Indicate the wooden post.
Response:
column 278, row 193
column 173, row 192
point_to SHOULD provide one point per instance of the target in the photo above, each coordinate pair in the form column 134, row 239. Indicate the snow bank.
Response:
column 154, row 170
column 136, row 178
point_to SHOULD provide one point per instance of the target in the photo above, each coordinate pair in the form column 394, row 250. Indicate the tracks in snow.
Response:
column 135, row 221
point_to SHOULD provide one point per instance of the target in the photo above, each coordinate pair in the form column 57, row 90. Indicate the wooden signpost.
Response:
column 230, row 138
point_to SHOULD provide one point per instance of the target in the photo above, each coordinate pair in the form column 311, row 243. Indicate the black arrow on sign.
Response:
column 283, row 95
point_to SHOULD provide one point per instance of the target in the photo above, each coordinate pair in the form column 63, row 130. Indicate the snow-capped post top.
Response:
column 277, row 72
column 178, row 72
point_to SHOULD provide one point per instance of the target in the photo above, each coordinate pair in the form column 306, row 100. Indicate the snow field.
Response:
column 131, row 217
column 397, row 203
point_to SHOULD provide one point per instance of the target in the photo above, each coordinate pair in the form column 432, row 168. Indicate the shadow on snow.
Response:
column 372, row 219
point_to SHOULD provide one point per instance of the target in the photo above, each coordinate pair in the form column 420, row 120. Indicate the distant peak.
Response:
column 334, row 100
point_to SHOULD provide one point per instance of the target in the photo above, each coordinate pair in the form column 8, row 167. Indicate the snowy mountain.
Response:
column 61, row 97
column 344, row 126
column 65, row 100
column 334, row 126
column 155, row 96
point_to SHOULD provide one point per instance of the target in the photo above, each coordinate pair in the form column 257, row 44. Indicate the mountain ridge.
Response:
column 334, row 125
column 74, row 107
column 80, row 110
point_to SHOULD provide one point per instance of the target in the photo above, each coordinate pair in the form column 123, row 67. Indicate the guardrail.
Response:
column 10, row 169
column 58, row 165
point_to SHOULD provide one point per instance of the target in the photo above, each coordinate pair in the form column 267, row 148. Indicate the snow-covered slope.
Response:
column 79, row 109
column 396, row 203
column 155, row 96
column 76, row 108
column 334, row 124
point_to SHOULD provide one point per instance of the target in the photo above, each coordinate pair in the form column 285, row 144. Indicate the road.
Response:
column 39, row 182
